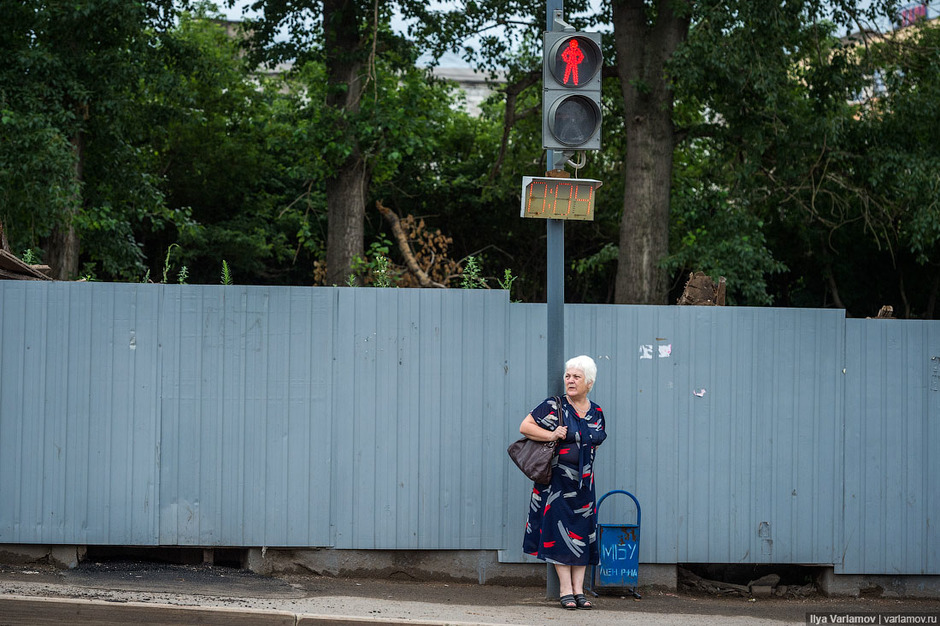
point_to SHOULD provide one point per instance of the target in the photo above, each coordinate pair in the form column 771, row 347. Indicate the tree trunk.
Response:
column 642, row 52
column 346, row 189
column 4, row 243
column 932, row 300
column 346, row 210
column 62, row 246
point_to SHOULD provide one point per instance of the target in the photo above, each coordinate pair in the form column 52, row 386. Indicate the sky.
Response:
column 448, row 60
column 453, row 60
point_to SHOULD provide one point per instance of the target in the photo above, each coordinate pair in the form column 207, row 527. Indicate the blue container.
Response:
column 619, row 552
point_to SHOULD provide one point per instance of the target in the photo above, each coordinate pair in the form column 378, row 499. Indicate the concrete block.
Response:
column 761, row 591
column 64, row 556
column 473, row 566
column 479, row 566
column 23, row 554
column 256, row 562
column 657, row 575
column 856, row 585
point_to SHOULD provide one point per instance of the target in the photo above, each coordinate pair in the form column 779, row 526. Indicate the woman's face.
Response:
column 576, row 385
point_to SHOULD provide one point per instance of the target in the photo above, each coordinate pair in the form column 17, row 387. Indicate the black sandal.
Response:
column 568, row 602
column 582, row 602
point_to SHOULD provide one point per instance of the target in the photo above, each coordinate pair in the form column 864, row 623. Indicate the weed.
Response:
column 507, row 281
column 380, row 272
column 226, row 273
column 472, row 278
column 166, row 261
column 376, row 269
column 29, row 257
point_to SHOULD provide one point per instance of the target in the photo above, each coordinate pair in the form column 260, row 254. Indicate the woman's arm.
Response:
column 597, row 432
column 533, row 431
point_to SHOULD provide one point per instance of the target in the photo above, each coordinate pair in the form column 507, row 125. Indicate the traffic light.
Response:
column 571, row 100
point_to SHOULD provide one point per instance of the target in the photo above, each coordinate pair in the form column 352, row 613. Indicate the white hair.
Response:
column 584, row 363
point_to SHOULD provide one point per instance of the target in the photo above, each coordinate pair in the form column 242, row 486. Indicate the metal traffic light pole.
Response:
column 555, row 286
column 571, row 122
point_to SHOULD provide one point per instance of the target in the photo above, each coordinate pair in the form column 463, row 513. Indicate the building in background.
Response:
column 476, row 86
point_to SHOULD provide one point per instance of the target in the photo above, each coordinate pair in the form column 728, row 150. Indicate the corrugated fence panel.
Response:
column 763, row 473
column 426, row 400
column 415, row 433
column 78, row 418
column 24, row 504
column 730, row 446
column 22, row 358
column 245, row 426
column 123, row 431
column 526, row 386
column 892, row 438
column 379, row 418
column 636, row 389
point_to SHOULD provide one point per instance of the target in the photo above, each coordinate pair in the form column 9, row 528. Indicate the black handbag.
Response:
column 534, row 458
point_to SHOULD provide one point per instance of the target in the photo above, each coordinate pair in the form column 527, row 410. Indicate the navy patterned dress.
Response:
column 562, row 524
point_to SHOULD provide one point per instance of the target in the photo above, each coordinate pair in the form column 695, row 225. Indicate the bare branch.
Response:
column 405, row 248
column 511, row 116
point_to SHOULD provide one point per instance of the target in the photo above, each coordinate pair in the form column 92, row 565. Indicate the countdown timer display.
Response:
column 558, row 198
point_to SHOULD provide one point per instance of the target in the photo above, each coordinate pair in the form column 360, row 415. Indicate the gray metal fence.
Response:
column 379, row 418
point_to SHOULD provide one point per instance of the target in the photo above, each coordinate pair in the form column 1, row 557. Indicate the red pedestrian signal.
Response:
column 571, row 103
column 572, row 56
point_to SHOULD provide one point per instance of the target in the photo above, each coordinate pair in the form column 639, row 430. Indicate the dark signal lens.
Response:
column 574, row 120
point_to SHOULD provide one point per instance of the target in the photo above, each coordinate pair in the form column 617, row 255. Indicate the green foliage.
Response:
column 596, row 272
column 722, row 238
column 472, row 276
column 226, row 273
column 507, row 280
column 30, row 257
column 796, row 181
column 897, row 132
column 222, row 140
column 153, row 136
column 375, row 269
column 381, row 276
column 166, row 261
column 67, row 154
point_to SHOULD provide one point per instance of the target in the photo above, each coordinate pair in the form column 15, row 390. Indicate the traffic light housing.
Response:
column 571, row 91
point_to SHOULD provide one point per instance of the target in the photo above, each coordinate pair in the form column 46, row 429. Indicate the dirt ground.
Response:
column 222, row 586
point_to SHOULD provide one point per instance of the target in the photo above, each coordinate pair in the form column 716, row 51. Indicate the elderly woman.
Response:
column 562, row 521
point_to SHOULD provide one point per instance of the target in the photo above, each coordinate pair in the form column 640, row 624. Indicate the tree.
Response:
column 220, row 140
column 344, row 36
column 838, row 183
column 64, row 84
column 653, row 56
column 897, row 158
column 646, row 37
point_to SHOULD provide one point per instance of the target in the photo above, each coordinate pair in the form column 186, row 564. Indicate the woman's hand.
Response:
column 536, row 433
